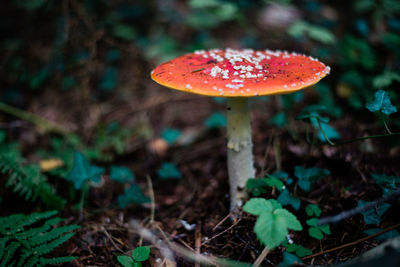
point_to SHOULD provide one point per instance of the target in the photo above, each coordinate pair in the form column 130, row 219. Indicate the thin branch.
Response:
column 346, row 214
column 168, row 248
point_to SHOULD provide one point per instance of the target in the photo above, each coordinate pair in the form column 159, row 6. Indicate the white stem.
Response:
column 240, row 155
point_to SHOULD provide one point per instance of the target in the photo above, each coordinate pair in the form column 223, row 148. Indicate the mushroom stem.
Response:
column 240, row 156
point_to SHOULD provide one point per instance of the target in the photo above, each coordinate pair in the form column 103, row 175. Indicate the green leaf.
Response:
column 381, row 103
column 325, row 228
column 307, row 176
column 385, row 79
column 312, row 210
column 318, row 33
column 124, row 31
column 275, row 204
column 285, row 198
column 257, row 186
column 125, row 261
column 121, row 174
column 271, row 229
column 290, row 219
column 83, row 171
column 258, row 206
column 302, row 251
column 133, row 194
column 169, row 171
column 274, row 182
column 384, row 236
column 141, row 253
column 298, row 249
column 316, row 233
column 216, row 120
column 370, row 215
column 279, row 120
column 110, row 79
column 283, row 176
column 2, row 136
column 170, row 135
column 329, row 132
column 312, row 222
column 386, row 181
column 289, row 259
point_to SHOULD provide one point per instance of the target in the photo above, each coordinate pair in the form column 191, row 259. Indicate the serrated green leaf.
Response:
column 275, row 204
column 290, row 219
column 315, row 232
column 270, row 229
column 257, row 206
column 169, row 171
column 285, row 198
column 381, row 103
column 83, row 171
column 141, row 253
column 312, row 210
column 121, row 174
column 170, row 135
column 125, row 261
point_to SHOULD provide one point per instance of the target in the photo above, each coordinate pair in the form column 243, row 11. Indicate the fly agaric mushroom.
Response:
column 238, row 75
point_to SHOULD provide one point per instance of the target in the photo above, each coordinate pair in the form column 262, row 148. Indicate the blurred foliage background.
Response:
column 107, row 48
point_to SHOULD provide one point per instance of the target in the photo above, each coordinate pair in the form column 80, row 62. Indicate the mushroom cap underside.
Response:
column 240, row 73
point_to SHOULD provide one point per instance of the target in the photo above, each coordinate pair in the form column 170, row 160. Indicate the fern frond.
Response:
column 54, row 233
column 27, row 180
column 57, row 260
column 22, row 244
column 46, row 248
column 9, row 252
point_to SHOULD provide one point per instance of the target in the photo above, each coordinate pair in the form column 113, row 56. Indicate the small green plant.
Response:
column 83, row 172
column 216, row 120
column 382, row 107
column 169, row 170
column 317, row 231
column 307, row 176
column 273, row 222
column 139, row 255
column 170, row 135
column 26, row 179
column 23, row 242
column 121, row 174
column 132, row 194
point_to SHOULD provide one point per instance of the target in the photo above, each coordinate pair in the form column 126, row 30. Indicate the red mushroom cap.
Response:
column 240, row 73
